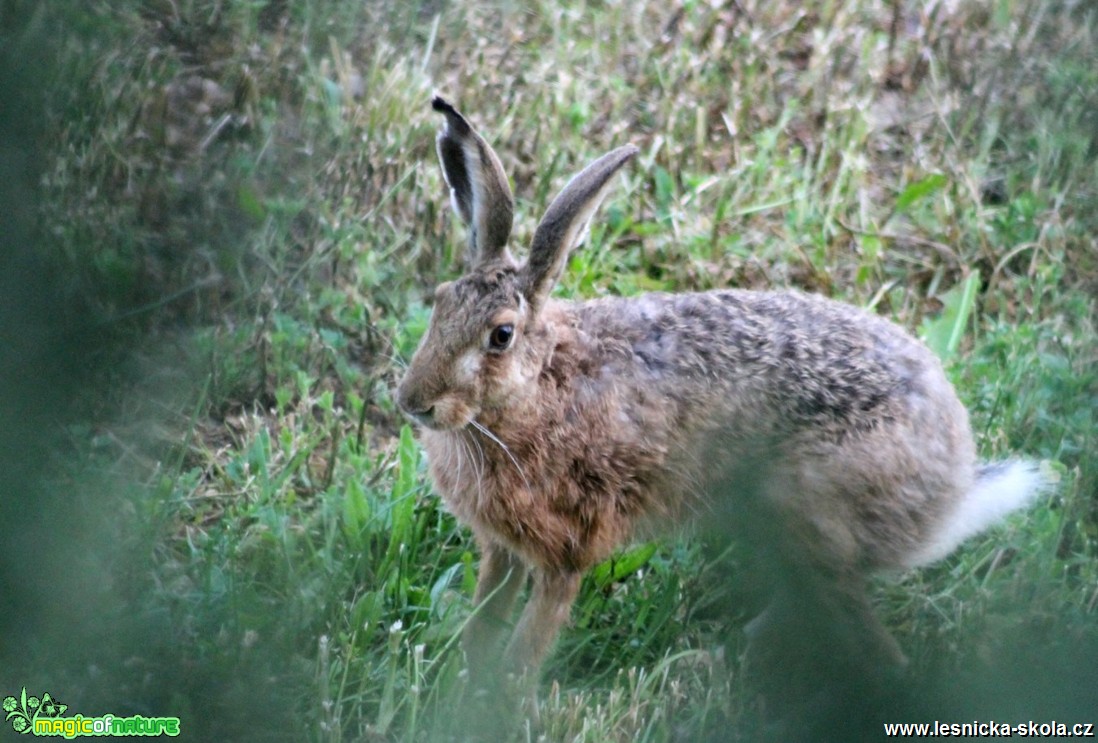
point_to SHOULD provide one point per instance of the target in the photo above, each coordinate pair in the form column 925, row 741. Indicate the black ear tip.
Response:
column 453, row 117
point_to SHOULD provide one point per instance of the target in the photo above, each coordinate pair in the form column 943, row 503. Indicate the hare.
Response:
column 557, row 431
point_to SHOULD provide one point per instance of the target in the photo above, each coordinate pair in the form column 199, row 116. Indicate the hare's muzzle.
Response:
column 422, row 417
column 413, row 406
column 439, row 411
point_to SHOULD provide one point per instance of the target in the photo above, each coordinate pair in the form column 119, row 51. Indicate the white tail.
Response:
column 1000, row 488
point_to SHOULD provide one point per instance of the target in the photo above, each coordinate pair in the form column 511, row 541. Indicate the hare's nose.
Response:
column 410, row 399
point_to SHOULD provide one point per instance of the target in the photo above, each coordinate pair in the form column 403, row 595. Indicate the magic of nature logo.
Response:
column 45, row 716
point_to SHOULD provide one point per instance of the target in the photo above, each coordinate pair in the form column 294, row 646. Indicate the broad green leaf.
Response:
column 943, row 334
column 402, row 507
column 356, row 510
column 919, row 190
column 621, row 566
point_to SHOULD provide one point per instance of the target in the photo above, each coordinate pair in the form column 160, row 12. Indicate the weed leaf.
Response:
column 919, row 190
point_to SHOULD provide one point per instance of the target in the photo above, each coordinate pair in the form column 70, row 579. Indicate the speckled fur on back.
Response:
column 559, row 430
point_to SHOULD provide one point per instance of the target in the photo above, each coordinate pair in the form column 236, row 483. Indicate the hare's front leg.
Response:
column 545, row 613
column 498, row 583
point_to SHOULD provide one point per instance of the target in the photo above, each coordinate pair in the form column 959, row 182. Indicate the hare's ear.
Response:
column 478, row 186
column 565, row 223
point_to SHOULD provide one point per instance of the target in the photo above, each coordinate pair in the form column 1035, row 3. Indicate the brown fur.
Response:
column 607, row 417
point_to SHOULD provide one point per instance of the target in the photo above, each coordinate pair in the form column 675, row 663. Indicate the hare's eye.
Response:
column 501, row 337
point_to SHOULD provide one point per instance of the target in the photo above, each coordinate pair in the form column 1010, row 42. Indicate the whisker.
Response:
column 484, row 430
column 475, row 463
column 460, row 455
column 397, row 359
column 478, row 465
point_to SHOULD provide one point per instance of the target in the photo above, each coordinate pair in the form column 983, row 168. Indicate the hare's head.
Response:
column 485, row 345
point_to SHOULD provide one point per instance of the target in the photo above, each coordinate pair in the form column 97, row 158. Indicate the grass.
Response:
column 240, row 203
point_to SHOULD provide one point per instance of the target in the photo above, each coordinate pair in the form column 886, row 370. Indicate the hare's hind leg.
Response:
column 821, row 658
column 501, row 576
